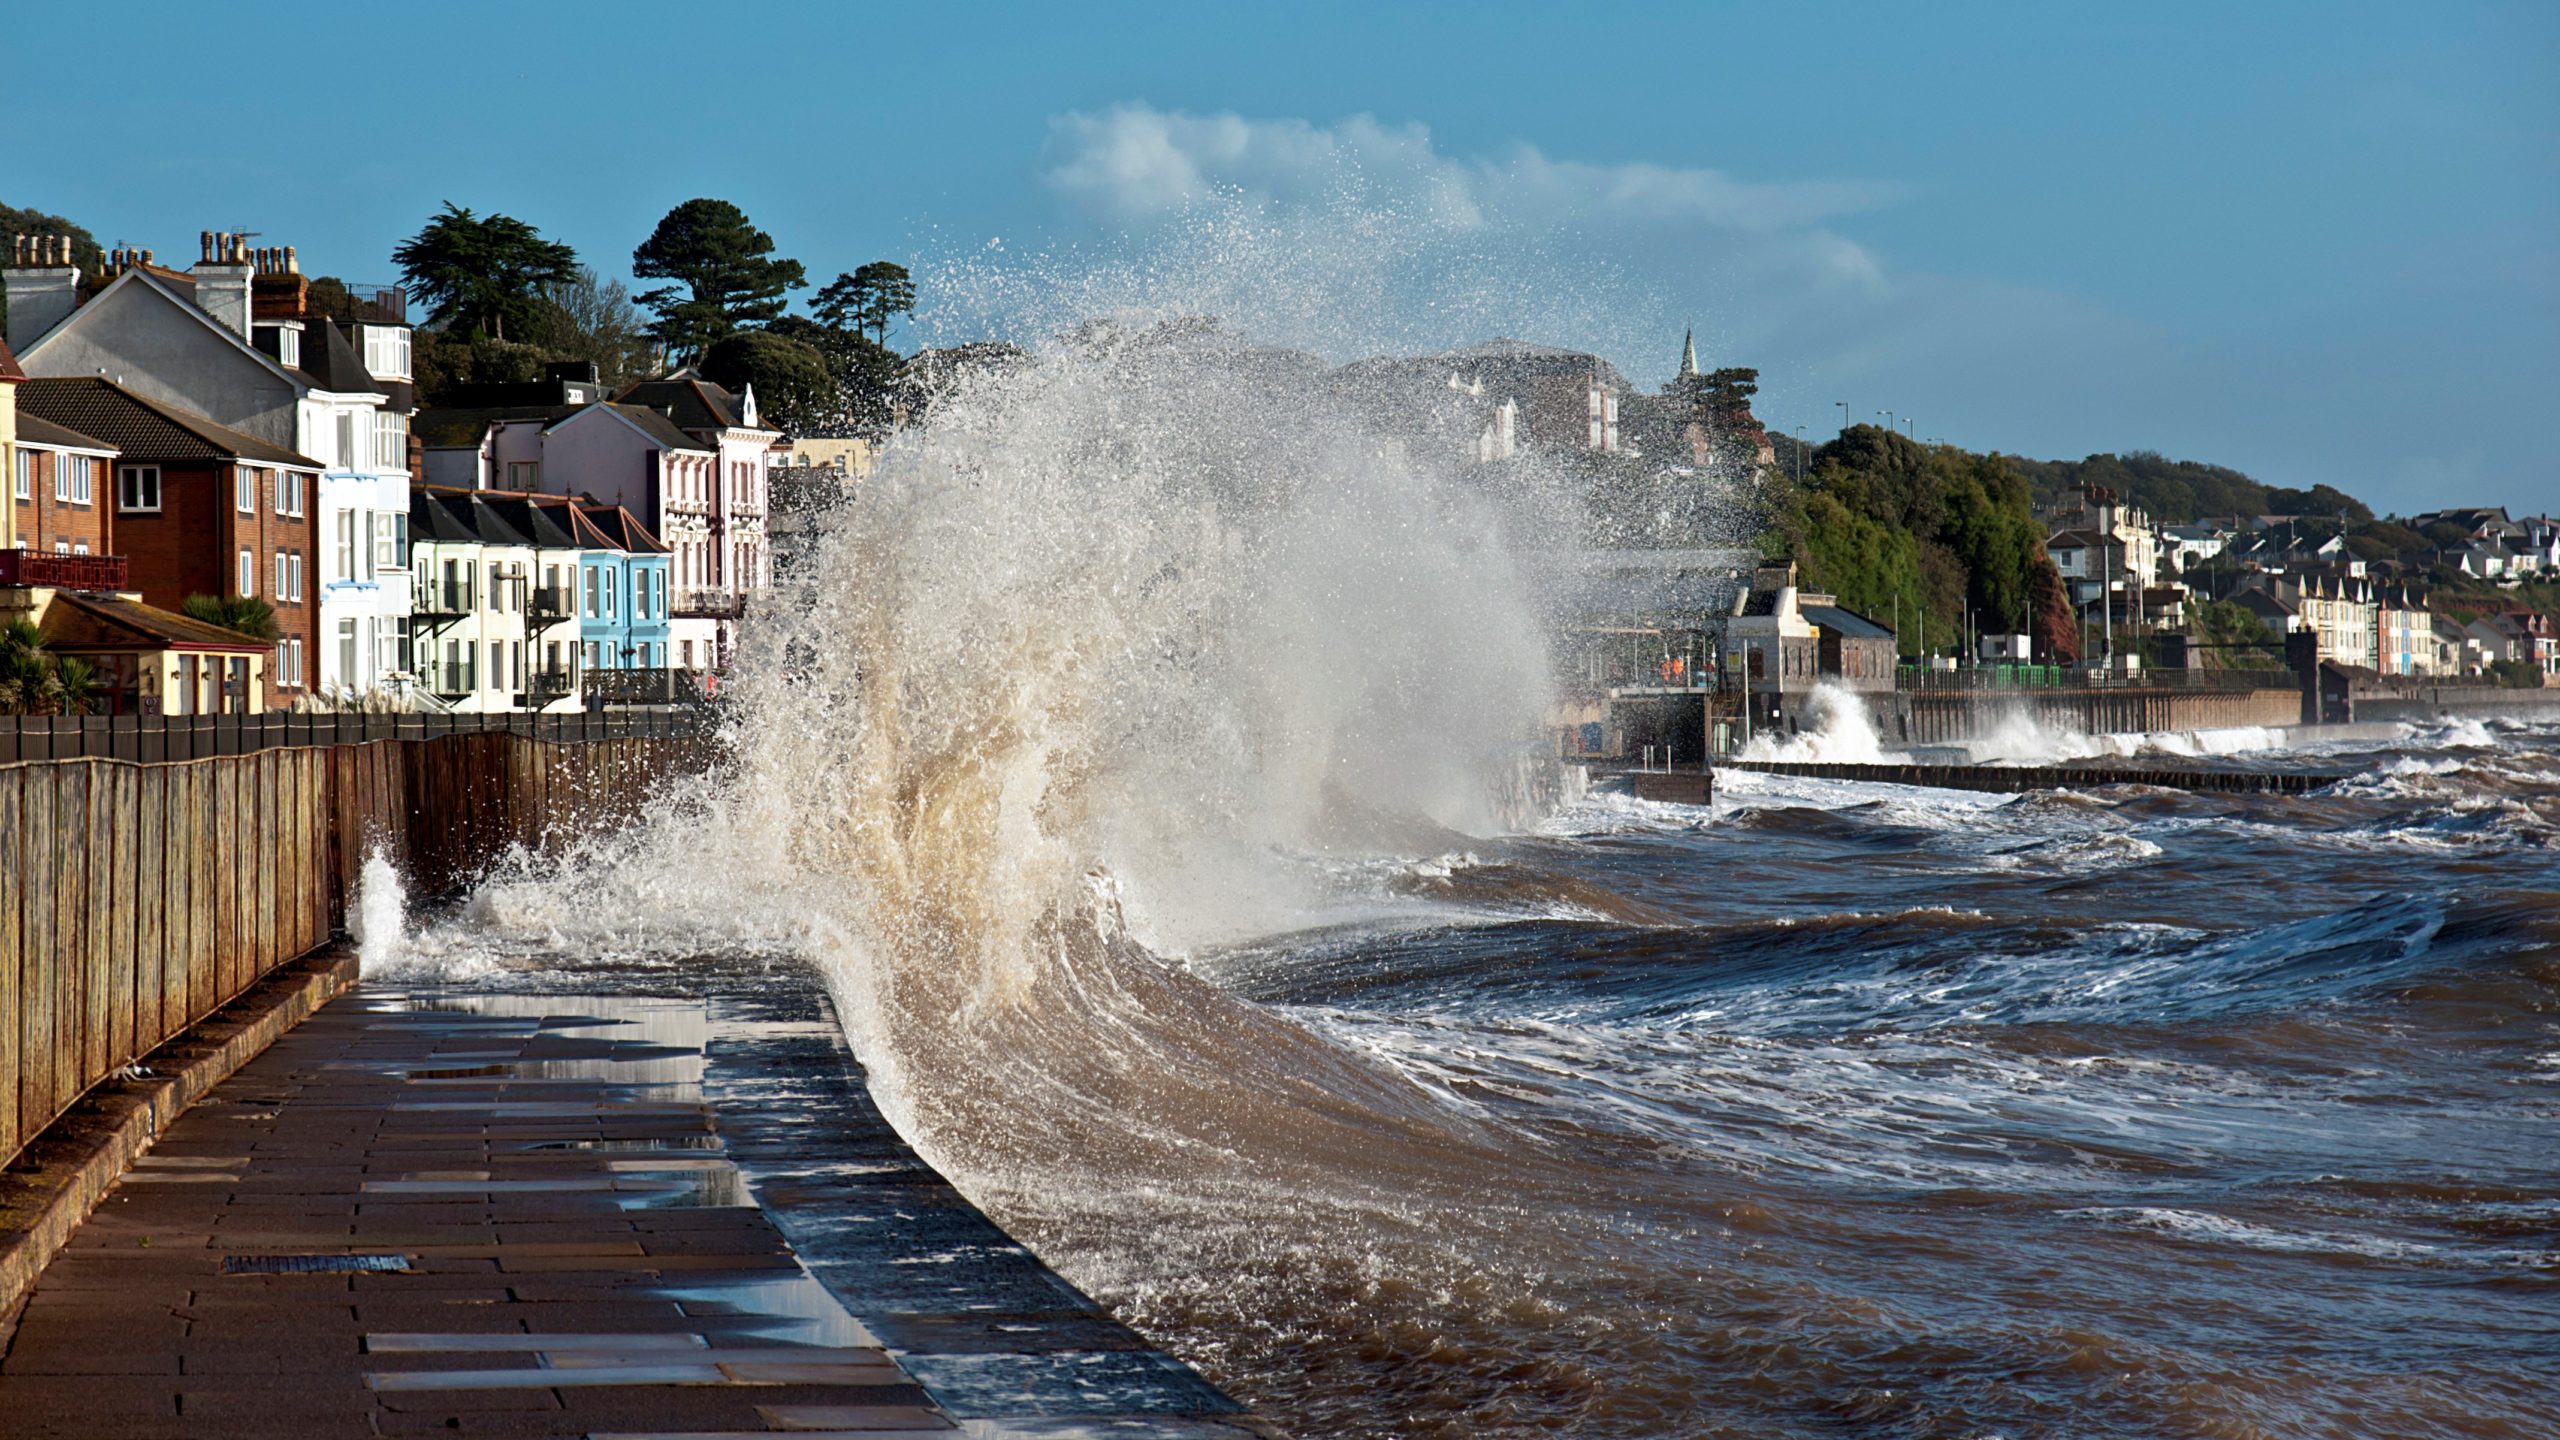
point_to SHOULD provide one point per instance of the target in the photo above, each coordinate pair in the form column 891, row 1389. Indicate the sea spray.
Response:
column 379, row 918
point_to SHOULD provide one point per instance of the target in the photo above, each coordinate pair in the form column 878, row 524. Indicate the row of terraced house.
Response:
column 233, row 430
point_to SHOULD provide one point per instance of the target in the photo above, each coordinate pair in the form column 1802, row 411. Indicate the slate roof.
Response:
column 79, row 622
column 528, row 517
column 652, row 424
column 439, row 513
column 691, row 402
column 332, row 363
column 1845, row 622
column 447, row 427
column 144, row 428
column 37, row 430
column 2072, row 540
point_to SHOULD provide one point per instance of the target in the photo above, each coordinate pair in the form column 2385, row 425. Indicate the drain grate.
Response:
column 312, row 1264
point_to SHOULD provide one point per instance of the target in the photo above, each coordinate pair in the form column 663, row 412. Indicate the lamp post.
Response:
column 1844, row 415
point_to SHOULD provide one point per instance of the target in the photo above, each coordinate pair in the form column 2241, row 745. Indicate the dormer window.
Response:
column 281, row 342
column 386, row 352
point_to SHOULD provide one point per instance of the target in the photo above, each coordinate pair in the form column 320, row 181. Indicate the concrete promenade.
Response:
column 427, row 1214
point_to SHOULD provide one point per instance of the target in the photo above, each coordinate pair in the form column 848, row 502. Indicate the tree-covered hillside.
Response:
column 2178, row 491
column 1900, row 530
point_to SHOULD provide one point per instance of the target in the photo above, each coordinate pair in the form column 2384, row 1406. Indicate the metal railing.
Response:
column 542, row 686
column 551, row 603
column 710, row 604
column 645, row 687
column 435, row 598
column 152, row 739
column 2066, row 677
column 64, row 572
column 371, row 304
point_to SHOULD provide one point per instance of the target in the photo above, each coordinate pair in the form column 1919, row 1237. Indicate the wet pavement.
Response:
column 537, row 1215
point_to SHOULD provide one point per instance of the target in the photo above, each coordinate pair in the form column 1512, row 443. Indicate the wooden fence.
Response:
column 151, row 739
column 137, row 899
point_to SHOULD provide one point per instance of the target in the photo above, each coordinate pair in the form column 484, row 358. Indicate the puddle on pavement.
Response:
column 792, row 1307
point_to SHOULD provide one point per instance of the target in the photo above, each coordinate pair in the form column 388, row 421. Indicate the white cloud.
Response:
column 1133, row 163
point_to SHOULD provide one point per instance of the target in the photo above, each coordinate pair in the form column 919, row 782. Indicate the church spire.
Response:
column 1689, row 354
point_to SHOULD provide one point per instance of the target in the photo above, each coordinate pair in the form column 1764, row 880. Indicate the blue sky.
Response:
column 2320, row 243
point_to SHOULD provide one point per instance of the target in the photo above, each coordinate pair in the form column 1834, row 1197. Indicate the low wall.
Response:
column 1932, row 717
column 2437, row 701
column 2016, row 779
column 137, row 899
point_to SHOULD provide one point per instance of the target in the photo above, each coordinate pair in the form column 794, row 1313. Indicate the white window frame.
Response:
column 24, row 482
column 245, row 491
column 248, row 572
column 343, row 567
column 282, row 592
column 129, row 484
column 297, row 573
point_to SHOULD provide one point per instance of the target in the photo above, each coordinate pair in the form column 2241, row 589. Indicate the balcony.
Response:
column 541, row 687
column 431, row 601
column 708, row 605
column 62, row 572
column 550, row 604
column 452, row 681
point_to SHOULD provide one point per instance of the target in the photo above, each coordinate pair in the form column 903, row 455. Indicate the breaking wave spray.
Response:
column 1144, row 641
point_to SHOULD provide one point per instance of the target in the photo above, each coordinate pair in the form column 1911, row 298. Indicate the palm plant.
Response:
column 246, row 614
column 25, row 676
column 75, row 687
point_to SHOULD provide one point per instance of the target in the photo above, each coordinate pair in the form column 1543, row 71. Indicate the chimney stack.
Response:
column 223, row 281
column 43, row 287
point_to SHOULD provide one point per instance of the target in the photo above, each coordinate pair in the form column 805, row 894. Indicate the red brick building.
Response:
column 200, row 509
column 61, row 490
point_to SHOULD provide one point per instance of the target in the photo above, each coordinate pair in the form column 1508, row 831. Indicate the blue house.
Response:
column 623, row 591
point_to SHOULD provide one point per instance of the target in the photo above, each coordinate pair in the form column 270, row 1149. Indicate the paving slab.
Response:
column 422, row 1212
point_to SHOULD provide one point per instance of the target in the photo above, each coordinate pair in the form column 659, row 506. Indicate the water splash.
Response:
column 1836, row 728
column 379, row 918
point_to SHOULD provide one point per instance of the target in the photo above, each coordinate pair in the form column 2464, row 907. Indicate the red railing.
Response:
column 63, row 572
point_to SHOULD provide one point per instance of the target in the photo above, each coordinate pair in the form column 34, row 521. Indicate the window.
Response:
column 343, row 563
column 138, row 487
column 346, row 440
column 288, row 493
column 26, row 477
column 296, row 647
column 61, row 478
column 246, row 498
column 248, row 573
column 524, row 474
column 591, row 655
column 61, row 547
column 386, row 352
column 391, row 441
column 590, row 609
column 283, row 590
column 297, row 576
column 611, row 584
column 390, row 541
column 347, row 672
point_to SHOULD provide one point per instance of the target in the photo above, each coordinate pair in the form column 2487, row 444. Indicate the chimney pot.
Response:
column 204, row 247
column 146, row 256
column 292, row 261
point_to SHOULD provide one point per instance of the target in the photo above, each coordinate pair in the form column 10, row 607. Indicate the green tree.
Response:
column 793, row 387
column 726, row 273
column 477, row 275
column 867, row 299
column 867, row 377
column 246, row 614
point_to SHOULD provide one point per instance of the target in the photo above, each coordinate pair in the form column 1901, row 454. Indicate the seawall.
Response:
column 138, row 899
column 1940, row 717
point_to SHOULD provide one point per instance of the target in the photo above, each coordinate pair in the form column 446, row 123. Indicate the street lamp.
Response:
column 1844, row 415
